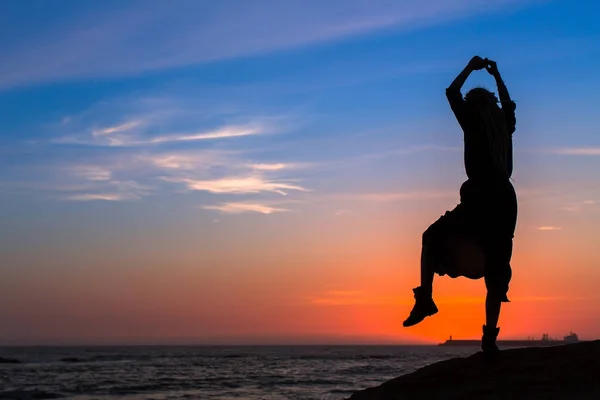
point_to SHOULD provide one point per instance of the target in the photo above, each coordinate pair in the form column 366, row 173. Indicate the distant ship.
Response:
column 545, row 341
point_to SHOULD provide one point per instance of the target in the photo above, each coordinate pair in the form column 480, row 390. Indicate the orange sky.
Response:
column 272, row 280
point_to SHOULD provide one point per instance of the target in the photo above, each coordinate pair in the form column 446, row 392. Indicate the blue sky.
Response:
column 131, row 101
column 125, row 120
column 300, row 83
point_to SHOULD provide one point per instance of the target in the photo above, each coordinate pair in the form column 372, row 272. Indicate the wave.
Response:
column 345, row 357
column 9, row 361
column 371, row 369
column 29, row 395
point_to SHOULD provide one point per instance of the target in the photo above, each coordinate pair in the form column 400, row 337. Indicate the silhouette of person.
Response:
column 475, row 239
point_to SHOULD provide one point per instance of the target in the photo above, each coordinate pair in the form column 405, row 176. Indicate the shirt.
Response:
column 487, row 138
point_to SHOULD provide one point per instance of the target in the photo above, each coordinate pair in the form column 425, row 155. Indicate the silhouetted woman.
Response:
column 475, row 239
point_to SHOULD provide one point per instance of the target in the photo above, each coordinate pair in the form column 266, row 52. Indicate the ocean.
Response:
column 207, row 372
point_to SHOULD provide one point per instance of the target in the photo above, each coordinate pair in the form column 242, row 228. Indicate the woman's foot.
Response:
column 488, row 341
column 424, row 307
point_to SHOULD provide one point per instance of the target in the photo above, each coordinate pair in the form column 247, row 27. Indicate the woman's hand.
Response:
column 492, row 67
column 478, row 63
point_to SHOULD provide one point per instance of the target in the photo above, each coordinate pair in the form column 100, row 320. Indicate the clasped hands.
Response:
column 478, row 63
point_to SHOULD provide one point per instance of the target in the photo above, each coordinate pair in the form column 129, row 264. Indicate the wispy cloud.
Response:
column 101, row 196
column 191, row 160
column 575, row 151
column 116, row 129
column 133, row 172
column 112, row 190
column 126, row 134
column 270, row 167
column 549, row 228
column 237, row 185
column 227, row 132
column 135, row 39
column 579, row 206
column 173, row 161
column 238, row 208
column 93, row 173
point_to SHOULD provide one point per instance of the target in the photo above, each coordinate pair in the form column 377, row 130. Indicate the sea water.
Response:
column 207, row 372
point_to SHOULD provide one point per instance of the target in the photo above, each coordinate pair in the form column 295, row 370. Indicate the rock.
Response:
column 560, row 372
column 8, row 361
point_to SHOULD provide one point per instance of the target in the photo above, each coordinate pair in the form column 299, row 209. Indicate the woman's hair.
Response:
column 481, row 97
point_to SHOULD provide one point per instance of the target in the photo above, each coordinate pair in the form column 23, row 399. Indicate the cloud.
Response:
column 238, row 208
column 141, row 36
column 579, row 206
column 100, row 196
column 146, row 159
column 237, row 185
column 112, row 190
column 549, row 228
column 160, row 121
column 269, row 167
column 116, row 129
column 576, row 151
column 93, row 173
column 227, row 132
column 192, row 160
column 134, row 172
column 177, row 162
column 109, row 178
column 122, row 135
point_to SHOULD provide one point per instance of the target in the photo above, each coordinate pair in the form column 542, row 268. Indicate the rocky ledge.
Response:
column 560, row 372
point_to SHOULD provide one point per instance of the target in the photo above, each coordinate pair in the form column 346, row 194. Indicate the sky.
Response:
column 233, row 172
